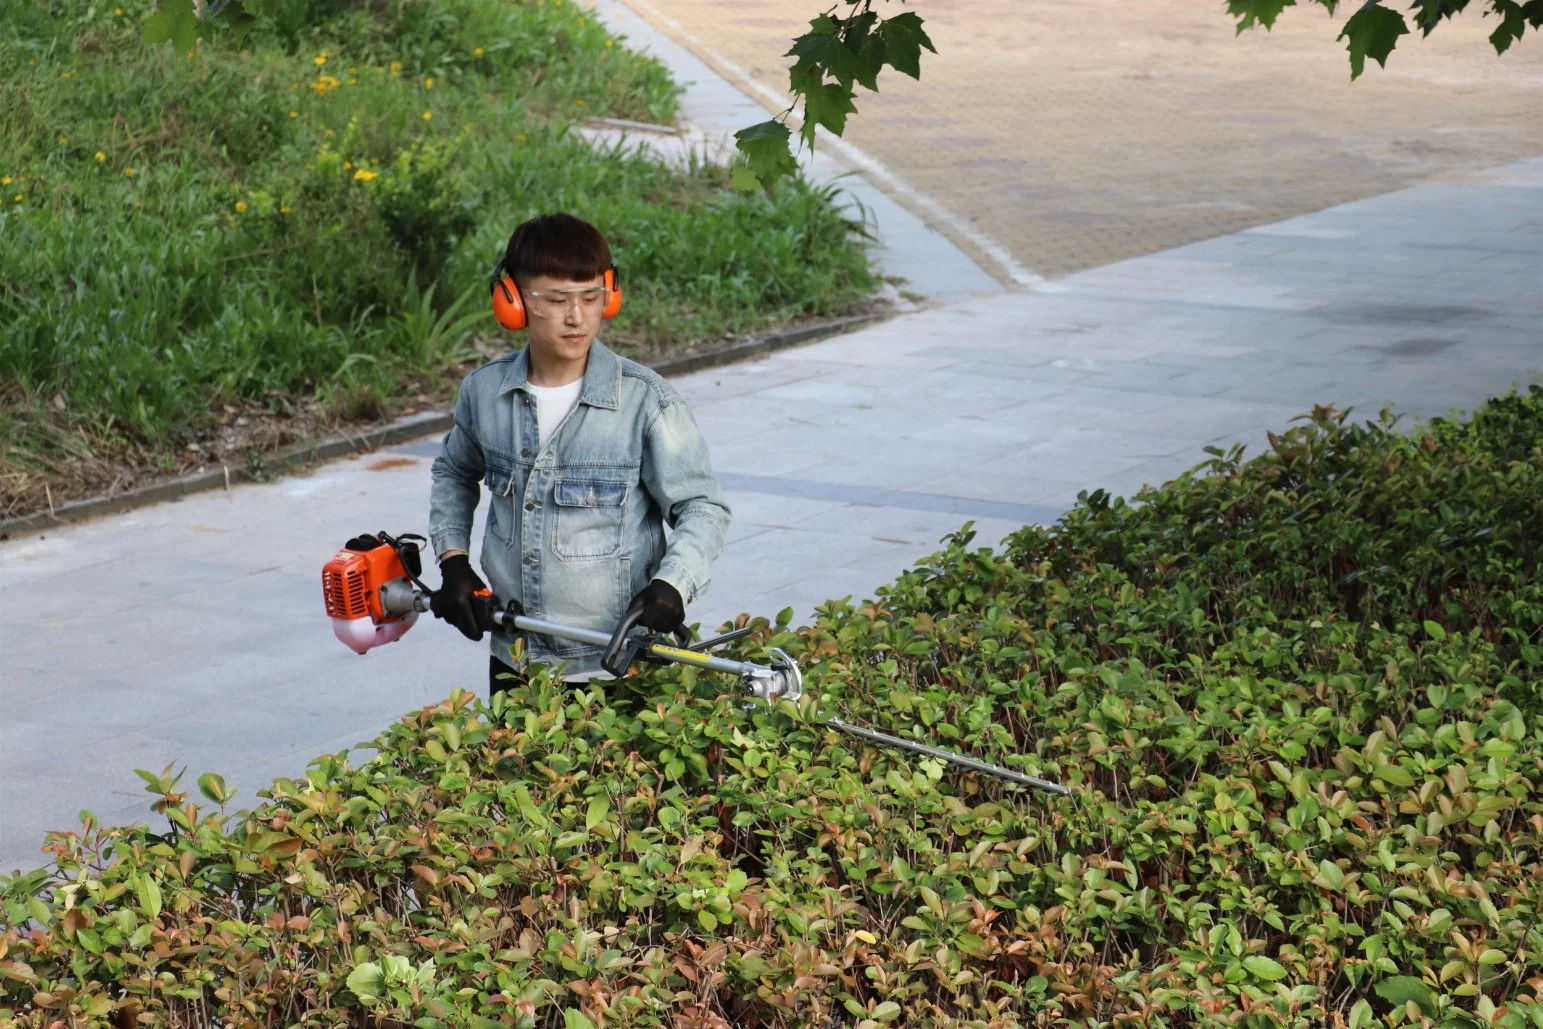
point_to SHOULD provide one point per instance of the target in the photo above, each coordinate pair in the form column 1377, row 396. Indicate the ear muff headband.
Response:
column 509, row 302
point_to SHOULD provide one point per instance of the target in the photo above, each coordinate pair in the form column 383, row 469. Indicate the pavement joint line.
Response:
column 873, row 496
column 1015, row 271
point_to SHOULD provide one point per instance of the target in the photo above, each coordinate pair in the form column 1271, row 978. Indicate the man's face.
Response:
column 561, row 316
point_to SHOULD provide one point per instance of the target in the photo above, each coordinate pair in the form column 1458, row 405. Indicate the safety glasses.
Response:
column 554, row 303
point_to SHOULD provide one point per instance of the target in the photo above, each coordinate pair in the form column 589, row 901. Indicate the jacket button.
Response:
column 529, row 559
column 530, row 507
column 525, row 452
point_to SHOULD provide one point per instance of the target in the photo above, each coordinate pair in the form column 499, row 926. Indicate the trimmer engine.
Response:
column 368, row 589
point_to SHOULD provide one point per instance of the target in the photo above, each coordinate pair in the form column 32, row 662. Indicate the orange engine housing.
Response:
column 351, row 582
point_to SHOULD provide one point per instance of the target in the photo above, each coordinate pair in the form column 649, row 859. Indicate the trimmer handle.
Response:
column 626, row 644
column 490, row 616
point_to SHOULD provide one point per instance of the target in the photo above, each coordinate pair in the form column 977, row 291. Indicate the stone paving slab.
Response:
column 909, row 243
column 1074, row 136
column 193, row 631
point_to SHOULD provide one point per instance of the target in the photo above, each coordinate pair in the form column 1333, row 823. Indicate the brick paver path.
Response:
column 1078, row 134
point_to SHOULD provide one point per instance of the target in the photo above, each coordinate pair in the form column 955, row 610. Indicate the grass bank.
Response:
column 209, row 254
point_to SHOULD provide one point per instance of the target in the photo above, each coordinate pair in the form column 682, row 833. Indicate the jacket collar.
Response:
column 602, row 376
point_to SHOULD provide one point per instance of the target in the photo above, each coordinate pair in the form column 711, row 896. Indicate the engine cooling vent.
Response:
column 344, row 593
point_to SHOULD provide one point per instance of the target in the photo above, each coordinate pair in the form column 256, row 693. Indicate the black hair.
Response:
column 557, row 245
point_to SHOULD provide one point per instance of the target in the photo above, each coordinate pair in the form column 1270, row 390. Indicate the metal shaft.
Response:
column 679, row 655
column 986, row 768
column 404, row 598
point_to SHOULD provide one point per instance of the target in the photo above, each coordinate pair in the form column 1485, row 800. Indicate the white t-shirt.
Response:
column 552, row 405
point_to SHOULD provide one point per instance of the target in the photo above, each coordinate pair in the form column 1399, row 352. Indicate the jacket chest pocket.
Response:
column 588, row 523
column 498, row 477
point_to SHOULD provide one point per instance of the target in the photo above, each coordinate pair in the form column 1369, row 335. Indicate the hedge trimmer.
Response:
column 374, row 595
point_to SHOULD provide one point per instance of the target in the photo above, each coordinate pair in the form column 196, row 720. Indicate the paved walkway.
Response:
column 193, row 632
column 1079, row 134
column 909, row 243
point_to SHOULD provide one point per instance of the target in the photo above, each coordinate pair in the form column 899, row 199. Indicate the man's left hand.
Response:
column 662, row 608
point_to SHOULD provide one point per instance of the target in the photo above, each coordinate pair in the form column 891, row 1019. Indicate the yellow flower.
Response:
column 5, row 181
column 294, row 114
column 117, row 12
column 284, row 210
column 348, row 166
column 240, row 206
column 580, row 101
column 364, row 176
column 610, row 42
column 321, row 59
column 64, row 140
column 353, row 82
column 100, row 157
column 128, row 173
column 18, row 198
column 396, row 66
column 519, row 137
column 427, row 115
column 477, row 52
column 428, row 83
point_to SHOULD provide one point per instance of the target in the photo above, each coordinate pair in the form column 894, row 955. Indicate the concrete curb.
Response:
column 399, row 431
column 402, row 430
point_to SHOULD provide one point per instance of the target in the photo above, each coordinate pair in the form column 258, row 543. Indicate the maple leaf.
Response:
column 827, row 104
column 903, row 41
column 1257, row 12
column 176, row 23
column 1372, row 32
column 765, row 146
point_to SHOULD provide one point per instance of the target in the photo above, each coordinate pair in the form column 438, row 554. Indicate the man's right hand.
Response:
column 455, row 601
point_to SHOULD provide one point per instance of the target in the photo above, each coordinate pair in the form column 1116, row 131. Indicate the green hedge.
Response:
column 1300, row 698
column 289, row 221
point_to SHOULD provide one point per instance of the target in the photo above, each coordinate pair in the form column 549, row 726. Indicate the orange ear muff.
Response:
column 509, row 305
column 613, row 299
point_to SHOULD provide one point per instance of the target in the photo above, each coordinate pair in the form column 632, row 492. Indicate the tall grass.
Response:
column 299, row 217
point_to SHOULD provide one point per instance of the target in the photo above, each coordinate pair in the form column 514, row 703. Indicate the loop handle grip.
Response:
column 625, row 644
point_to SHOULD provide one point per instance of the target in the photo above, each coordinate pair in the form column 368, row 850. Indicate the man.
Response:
column 586, row 455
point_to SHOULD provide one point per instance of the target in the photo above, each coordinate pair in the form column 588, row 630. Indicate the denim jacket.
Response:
column 576, row 528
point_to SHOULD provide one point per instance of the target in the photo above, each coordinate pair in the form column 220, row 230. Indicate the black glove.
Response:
column 455, row 603
column 663, row 610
